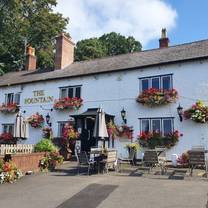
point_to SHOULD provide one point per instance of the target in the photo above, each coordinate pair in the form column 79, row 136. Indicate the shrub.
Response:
column 45, row 145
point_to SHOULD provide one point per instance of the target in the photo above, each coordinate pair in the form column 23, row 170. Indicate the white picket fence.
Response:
column 16, row 149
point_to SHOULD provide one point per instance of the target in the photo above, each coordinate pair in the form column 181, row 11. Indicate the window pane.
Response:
column 17, row 98
column 10, row 98
column 145, row 84
column 4, row 128
column 166, row 82
column 145, row 125
column 156, row 82
column 167, row 126
column 11, row 129
column 63, row 93
column 78, row 92
column 156, row 125
column 70, row 92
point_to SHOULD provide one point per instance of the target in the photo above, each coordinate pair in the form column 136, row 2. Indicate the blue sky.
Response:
column 185, row 20
column 191, row 23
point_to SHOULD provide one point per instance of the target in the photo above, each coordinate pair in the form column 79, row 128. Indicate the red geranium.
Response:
column 68, row 103
column 6, row 137
column 154, row 97
column 9, row 108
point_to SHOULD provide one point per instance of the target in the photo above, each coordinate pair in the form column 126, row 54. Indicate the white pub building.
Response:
column 113, row 83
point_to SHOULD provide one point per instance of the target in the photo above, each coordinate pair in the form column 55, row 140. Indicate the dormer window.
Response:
column 71, row 92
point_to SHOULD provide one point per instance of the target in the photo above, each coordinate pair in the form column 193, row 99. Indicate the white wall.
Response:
column 113, row 91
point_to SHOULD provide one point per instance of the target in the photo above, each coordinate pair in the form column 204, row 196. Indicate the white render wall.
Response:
column 113, row 91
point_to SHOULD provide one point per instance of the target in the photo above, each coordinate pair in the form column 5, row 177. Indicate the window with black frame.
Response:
column 164, row 82
column 164, row 125
column 70, row 92
column 8, row 128
column 11, row 98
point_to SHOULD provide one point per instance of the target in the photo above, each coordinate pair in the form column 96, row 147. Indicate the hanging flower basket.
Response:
column 36, row 120
column 68, row 103
column 156, row 139
column 9, row 108
column 155, row 97
column 123, row 131
column 197, row 113
column 70, row 133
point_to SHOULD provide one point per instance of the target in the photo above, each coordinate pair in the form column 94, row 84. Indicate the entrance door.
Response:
column 87, row 140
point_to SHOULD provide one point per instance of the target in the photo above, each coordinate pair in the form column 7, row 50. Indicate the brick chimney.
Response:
column 30, row 64
column 164, row 40
column 64, row 51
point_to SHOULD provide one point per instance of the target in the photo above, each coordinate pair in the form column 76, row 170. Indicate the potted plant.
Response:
column 155, row 97
column 197, row 113
column 9, row 108
column 133, row 147
column 36, row 120
column 68, row 103
column 50, row 161
column 47, row 132
column 70, row 135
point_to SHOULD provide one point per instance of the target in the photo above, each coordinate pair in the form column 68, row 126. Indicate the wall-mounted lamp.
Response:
column 123, row 116
column 48, row 118
column 180, row 112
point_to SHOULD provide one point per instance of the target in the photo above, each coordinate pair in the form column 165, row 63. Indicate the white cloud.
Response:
column 142, row 19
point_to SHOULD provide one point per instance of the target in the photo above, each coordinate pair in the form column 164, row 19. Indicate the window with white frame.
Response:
column 71, row 92
column 12, row 98
column 163, row 125
column 8, row 128
column 61, row 125
column 159, row 82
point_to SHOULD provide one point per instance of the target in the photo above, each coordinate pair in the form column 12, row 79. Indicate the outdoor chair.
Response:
column 111, row 160
column 129, row 160
column 196, row 159
column 84, row 161
column 150, row 159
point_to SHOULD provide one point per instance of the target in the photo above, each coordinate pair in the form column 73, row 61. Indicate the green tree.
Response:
column 28, row 22
column 107, row 45
column 89, row 49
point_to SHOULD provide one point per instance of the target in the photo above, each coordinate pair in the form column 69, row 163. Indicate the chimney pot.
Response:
column 64, row 51
column 30, row 64
column 164, row 40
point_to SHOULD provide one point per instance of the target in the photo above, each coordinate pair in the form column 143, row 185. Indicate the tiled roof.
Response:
column 179, row 53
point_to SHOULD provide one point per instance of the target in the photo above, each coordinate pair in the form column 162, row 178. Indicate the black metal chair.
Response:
column 84, row 161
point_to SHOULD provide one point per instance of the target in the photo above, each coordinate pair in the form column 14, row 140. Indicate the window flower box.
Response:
column 156, row 139
column 9, row 108
column 197, row 113
column 155, row 97
column 68, row 103
column 36, row 120
column 7, row 138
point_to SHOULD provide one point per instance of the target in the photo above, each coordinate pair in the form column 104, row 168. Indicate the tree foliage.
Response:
column 28, row 22
column 107, row 45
